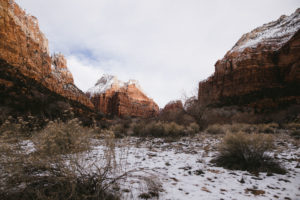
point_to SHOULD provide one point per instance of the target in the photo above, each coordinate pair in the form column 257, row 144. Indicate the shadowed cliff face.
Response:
column 261, row 70
column 115, row 97
column 24, row 48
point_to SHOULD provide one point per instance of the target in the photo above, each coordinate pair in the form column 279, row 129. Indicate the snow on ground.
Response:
column 182, row 170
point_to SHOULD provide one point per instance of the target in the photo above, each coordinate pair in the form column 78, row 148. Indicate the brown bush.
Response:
column 119, row 130
column 62, row 138
column 292, row 126
column 36, row 178
column 241, row 127
column 216, row 129
column 295, row 134
column 267, row 128
column 44, row 173
column 193, row 128
column 247, row 152
column 10, row 129
column 158, row 129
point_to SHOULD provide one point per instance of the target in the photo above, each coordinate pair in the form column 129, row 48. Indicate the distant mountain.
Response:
column 262, row 70
column 31, row 80
column 115, row 97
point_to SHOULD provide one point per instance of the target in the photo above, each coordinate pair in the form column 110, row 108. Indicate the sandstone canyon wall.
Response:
column 26, row 62
column 262, row 70
column 115, row 97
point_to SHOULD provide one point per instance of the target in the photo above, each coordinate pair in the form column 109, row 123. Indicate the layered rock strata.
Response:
column 24, row 49
column 115, row 97
column 261, row 70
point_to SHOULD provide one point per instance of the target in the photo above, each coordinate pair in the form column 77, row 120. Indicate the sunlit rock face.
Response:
column 112, row 96
column 24, row 48
column 262, row 69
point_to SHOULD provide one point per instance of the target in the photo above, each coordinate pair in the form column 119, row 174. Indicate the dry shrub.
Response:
column 109, row 151
column 241, row 127
column 35, row 178
column 295, row 134
column 193, row 128
column 62, row 138
column 173, row 129
column 119, row 130
column 247, row 152
column 267, row 128
column 46, row 174
column 231, row 128
column 292, row 126
column 10, row 130
column 158, row 129
column 216, row 129
column 20, row 127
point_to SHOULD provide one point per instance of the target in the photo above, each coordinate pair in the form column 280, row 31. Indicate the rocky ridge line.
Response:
column 262, row 70
column 25, row 47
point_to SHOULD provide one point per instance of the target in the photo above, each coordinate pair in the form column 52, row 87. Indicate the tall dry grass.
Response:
column 50, row 167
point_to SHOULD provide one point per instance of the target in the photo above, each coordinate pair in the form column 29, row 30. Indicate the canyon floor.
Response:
column 181, row 169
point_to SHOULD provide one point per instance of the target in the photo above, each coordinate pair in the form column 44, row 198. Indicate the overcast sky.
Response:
column 167, row 45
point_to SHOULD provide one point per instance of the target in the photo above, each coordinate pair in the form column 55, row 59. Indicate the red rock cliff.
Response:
column 115, row 97
column 173, row 105
column 263, row 66
column 24, row 47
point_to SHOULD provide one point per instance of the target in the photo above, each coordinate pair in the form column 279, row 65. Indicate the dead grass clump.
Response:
column 62, row 138
column 10, row 130
column 50, row 171
column 158, row 129
column 238, row 127
column 216, row 129
column 119, row 130
column 20, row 127
column 173, row 129
column 37, row 179
column 292, row 126
column 295, row 134
column 267, row 128
column 193, row 128
column 248, row 152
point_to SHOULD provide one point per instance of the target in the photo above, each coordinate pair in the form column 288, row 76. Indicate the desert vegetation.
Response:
column 248, row 152
column 57, row 159
column 164, row 129
column 44, row 164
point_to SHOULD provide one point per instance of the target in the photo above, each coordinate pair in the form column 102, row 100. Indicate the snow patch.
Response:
column 274, row 34
column 107, row 82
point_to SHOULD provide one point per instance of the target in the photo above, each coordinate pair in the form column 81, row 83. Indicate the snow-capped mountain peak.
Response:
column 273, row 34
column 107, row 82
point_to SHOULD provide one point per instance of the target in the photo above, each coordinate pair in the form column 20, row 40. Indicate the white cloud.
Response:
column 167, row 45
column 88, row 73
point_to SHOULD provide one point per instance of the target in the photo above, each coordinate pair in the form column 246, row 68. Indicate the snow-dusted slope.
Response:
column 273, row 34
column 104, row 83
column 107, row 82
